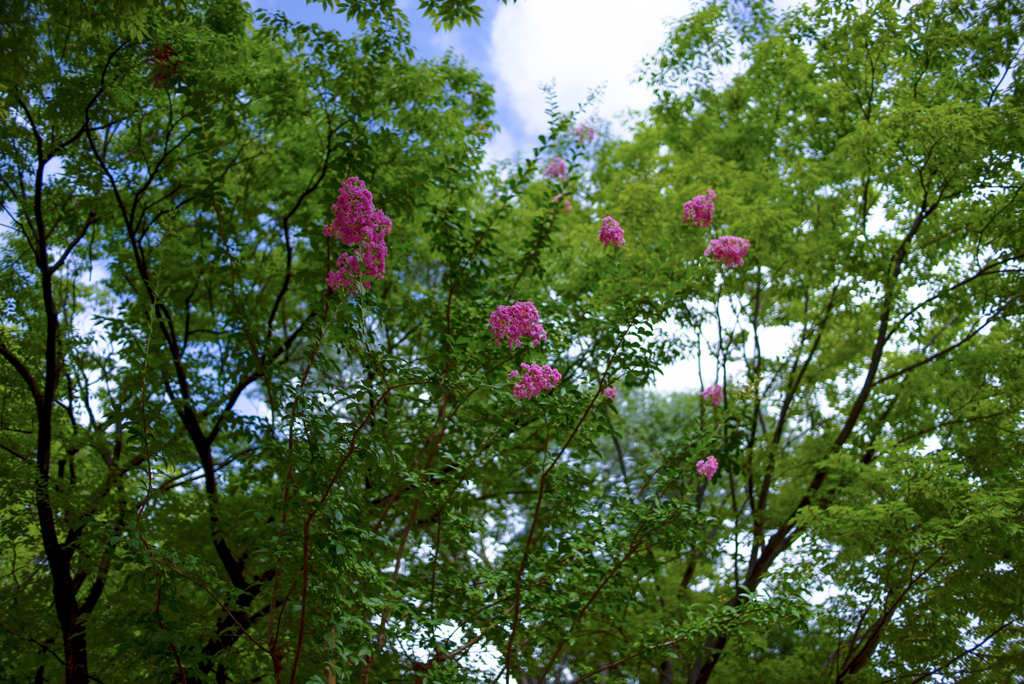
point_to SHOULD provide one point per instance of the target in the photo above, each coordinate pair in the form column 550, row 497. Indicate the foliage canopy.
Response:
column 216, row 469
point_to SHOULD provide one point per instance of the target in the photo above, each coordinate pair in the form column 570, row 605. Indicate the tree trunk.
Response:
column 665, row 673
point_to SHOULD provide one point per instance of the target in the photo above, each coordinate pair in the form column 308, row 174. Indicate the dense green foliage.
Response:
column 873, row 158
column 215, row 469
column 25, row 23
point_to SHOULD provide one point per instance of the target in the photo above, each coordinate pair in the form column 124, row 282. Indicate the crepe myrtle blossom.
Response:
column 355, row 217
column 364, row 266
column 708, row 468
column 584, row 134
column 728, row 250
column 713, row 395
column 556, row 169
column 517, row 321
column 700, row 209
column 611, row 393
column 567, row 206
column 535, row 380
column 611, row 233
column 359, row 224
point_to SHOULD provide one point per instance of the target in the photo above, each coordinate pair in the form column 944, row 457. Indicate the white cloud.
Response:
column 579, row 43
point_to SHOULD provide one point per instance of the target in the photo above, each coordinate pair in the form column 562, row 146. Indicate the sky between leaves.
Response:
column 581, row 44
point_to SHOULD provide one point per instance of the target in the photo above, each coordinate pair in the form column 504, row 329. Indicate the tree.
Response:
column 154, row 164
column 243, row 445
column 392, row 504
column 871, row 155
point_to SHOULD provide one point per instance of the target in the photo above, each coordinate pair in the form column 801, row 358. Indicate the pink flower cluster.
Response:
column 700, row 209
column 568, row 203
column 556, row 169
column 611, row 233
column 516, row 321
column 713, row 395
column 358, row 223
column 355, row 217
column 708, row 468
column 611, row 393
column 728, row 250
column 584, row 134
column 535, row 380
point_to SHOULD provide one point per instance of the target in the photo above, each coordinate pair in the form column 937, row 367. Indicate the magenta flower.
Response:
column 513, row 374
column 358, row 223
column 535, row 380
column 611, row 233
column 700, row 209
column 355, row 217
column 516, row 321
column 713, row 395
column 611, row 393
column 556, row 169
column 708, row 468
column 728, row 250
column 567, row 206
column 584, row 134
